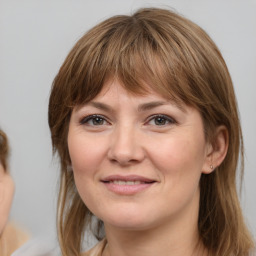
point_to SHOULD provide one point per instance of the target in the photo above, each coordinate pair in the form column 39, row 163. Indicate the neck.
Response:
column 148, row 244
column 177, row 237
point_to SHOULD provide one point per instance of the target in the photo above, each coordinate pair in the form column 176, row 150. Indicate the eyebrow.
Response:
column 101, row 106
column 154, row 104
column 142, row 107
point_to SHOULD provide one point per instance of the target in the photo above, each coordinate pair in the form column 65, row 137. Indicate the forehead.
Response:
column 114, row 91
column 114, row 87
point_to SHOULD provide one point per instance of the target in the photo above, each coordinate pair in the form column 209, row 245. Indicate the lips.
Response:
column 127, row 185
column 126, row 179
column 130, row 182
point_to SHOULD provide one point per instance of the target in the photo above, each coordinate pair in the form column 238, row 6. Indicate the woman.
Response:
column 11, row 237
column 144, row 118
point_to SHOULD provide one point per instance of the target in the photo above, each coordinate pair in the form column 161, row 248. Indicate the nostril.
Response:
column 125, row 148
column 123, row 162
column 124, row 158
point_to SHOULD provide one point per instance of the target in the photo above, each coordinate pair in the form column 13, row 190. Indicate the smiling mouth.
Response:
column 129, row 182
column 127, row 185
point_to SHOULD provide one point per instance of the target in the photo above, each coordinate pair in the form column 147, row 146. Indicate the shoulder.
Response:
column 97, row 249
column 12, row 238
column 16, row 233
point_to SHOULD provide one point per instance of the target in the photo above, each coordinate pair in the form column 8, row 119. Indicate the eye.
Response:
column 94, row 120
column 160, row 120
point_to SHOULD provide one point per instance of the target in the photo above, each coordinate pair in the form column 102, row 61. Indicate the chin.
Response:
column 129, row 220
column 128, row 225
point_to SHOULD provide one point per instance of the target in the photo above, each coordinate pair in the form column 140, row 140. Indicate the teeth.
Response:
column 130, row 182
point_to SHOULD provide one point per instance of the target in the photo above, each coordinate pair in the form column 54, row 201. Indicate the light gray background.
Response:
column 35, row 37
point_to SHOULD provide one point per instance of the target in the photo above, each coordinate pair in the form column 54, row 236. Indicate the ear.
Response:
column 216, row 150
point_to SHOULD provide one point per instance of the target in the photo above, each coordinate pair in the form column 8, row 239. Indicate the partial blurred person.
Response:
column 11, row 237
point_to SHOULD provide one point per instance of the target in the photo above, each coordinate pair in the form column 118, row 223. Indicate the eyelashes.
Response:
column 154, row 120
column 160, row 120
column 94, row 120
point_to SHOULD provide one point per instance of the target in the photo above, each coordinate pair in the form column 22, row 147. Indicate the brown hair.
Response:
column 178, row 60
column 4, row 149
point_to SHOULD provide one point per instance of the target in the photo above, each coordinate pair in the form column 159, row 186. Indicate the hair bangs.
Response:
column 132, row 54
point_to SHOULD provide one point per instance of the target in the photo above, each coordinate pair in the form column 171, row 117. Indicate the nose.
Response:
column 125, row 146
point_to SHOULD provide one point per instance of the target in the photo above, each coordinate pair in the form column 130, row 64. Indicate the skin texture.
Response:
column 6, row 196
column 128, row 137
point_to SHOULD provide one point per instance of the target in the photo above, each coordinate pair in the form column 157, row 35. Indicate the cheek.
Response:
column 179, row 163
column 179, row 158
column 6, row 196
column 87, row 155
column 84, row 153
column 84, row 159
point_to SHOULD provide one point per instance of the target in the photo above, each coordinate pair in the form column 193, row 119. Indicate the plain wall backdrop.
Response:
column 36, row 36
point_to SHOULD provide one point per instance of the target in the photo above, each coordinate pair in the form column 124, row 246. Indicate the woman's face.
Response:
column 6, row 196
column 137, row 160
